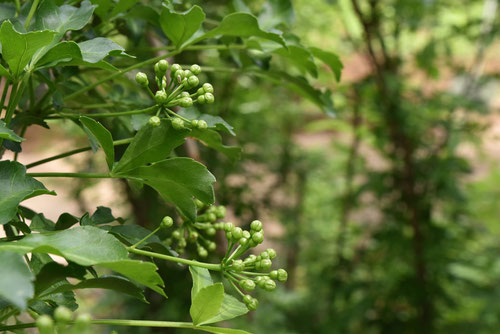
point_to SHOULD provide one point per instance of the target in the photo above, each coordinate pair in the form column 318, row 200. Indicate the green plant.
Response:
column 54, row 74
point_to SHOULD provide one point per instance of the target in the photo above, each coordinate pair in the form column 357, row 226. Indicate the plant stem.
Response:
column 4, row 94
column 201, row 47
column 73, row 175
column 176, row 115
column 107, row 114
column 75, row 151
column 209, row 266
column 31, row 13
column 118, row 322
column 145, row 238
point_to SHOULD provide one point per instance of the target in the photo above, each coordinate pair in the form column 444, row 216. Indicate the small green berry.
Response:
column 161, row 97
column 273, row 274
column 201, row 99
column 264, row 255
column 210, row 216
column 282, row 275
column 185, row 94
column 229, row 236
column 196, row 69
column 176, row 234
column 208, row 88
column 186, row 102
column 182, row 243
column 45, row 324
column 63, row 314
column 193, row 81
column 211, row 246
column 252, row 306
column 178, row 124
column 221, row 211
column 154, row 121
column 200, row 91
column 167, row 222
column 256, row 225
column 193, row 236
column 237, row 233
column 188, row 74
column 202, row 252
column 209, row 98
column 162, row 66
column 202, row 125
column 246, row 234
column 247, row 299
column 243, row 241
column 266, row 264
column 174, row 69
column 142, row 79
column 269, row 285
column 194, row 123
column 210, row 231
column 271, row 252
column 247, row 285
column 228, row 227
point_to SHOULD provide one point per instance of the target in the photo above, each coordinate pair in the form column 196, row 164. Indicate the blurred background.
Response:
column 384, row 213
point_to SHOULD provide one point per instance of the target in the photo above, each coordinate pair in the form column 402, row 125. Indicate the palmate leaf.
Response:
column 178, row 180
column 16, row 284
column 18, row 48
column 15, row 187
column 88, row 246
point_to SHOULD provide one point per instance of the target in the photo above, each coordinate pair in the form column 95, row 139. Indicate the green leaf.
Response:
column 206, row 303
column 330, row 59
column 16, row 280
column 104, row 215
column 108, row 282
column 213, row 139
column 230, row 309
column 201, row 278
column 99, row 133
column 178, row 180
column 41, row 224
column 7, row 133
column 5, row 73
column 150, row 144
column 18, row 49
column 15, row 187
column 98, row 48
column 141, row 272
column 122, row 6
column 222, row 330
column 300, row 57
column 179, row 27
column 61, row 52
column 61, row 19
column 65, row 221
column 84, row 245
column 241, row 25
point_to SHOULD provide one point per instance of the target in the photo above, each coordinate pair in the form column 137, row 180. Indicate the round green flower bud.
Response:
column 210, row 231
column 210, row 216
column 193, row 236
column 247, row 285
column 237, row 233
column 211, row 246
column 186, row 102
column 162, row 66
column 63, row 314
column 45, row 324
column 185, row 94
column 229, row 236
column 176, row 234
column 201, row 99
column 174, row 69
column 282, row 275
column 196, row 69
column 264, row 255
column 243, row 241
column 261, row 283
column 82, row 323
column 188, row 74
column 219, row 226
column 258, row 265
column 247, row 299
column 271, row 252
column 200, row 91
column 250, row 259
column 246, row 234
column 228, row 227
column 273, row 274
column 258, row 237
column 256, row 225
column 181, row 74
column 142, row 79
column 238, row 265
column 161, row 97
column 193, row 81
column 269, row 285
column 182, row 243
column 202, row 252
column 220, row 212
column 178, row 124
column 208, row 88
column 266, row 264
column 209, row 98
column 154, row 121
column 194, row 123
column 168, row 242
column 253, row 305
column 202, row 125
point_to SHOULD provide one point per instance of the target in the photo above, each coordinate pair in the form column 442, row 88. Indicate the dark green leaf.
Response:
column 206, row 303
column 61, row 52
column 7, row 133
column 178, row 180
column 102, row 136
column 213, row 139
column 300, row 57
column 18, row 49
column 150, row 144
column 103, row 215
column 16, row 280
column 241, row 25
column 65, row 221
column 330, row 59
column 53, row 272
column 179, row 27
column 15, row 187
column 275, row 13
column 61, row 19
column 5, row 73
column 41, row 224
column 98, row 48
